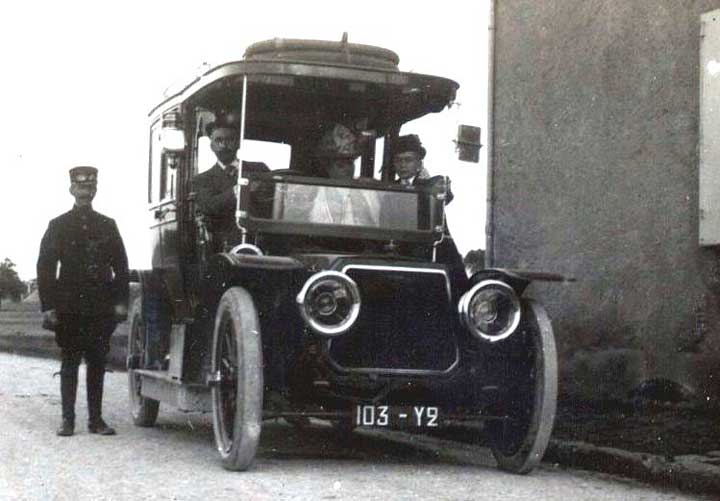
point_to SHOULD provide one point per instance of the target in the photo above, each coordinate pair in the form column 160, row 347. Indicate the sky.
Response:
column 78, row 79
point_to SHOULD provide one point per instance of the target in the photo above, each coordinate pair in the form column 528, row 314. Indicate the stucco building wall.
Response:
column 596, row 177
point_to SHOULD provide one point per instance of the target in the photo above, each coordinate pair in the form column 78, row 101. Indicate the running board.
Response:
column 158, row 385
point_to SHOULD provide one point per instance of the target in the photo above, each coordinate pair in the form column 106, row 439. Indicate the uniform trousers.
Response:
column 88, row 337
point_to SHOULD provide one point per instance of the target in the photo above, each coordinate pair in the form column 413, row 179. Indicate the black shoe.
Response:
column 101, row 428
column 67, row 428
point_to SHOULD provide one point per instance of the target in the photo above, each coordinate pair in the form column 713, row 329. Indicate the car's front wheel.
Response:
column 519, row 442
column 237, row 375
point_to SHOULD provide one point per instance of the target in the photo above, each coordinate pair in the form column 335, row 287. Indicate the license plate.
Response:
column 390, row 416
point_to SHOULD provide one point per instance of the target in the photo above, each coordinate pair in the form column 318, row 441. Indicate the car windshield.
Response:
column 346, row 206
column 378, row 206
column 296, row 109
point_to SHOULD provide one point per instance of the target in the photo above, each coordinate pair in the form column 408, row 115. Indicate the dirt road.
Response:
column 177, row 460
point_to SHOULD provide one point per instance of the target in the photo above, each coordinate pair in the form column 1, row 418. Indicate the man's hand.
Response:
column 442, row 186
column 120, row 313
column 439, row 185
column 50, row 320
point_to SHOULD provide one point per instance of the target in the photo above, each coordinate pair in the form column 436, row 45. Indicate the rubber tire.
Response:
column 144, row 410
column 236, row 311
column 529, row 454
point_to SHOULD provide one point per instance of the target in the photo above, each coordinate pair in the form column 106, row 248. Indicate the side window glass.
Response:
column 379, row 156
column 204, row 157
column 161, row 180
column 167, row 179
column 274, row 155
column 154, row 181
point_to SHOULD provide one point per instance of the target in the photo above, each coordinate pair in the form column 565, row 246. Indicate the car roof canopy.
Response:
column 296, row 86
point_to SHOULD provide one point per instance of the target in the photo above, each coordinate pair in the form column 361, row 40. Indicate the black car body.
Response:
column 361, row 324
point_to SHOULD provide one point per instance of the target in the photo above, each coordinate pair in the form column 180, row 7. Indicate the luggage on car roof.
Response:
column 342, row 52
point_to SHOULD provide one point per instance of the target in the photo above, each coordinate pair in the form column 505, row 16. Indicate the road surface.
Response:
column 176, row 460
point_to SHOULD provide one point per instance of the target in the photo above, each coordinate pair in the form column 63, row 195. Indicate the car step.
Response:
column 187, row 397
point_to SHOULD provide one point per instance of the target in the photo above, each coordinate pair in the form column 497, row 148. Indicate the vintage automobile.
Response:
column 361, row 323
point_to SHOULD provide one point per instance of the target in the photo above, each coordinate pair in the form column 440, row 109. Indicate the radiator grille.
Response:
column 405, row 321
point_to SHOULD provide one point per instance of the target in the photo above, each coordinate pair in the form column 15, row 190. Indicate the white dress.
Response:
column 345, row 206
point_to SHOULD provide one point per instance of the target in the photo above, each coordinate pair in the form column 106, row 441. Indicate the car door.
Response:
column 167, row 252
column 154, row 203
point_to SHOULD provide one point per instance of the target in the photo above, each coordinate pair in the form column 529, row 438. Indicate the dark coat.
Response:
column 215, row 197
column 447, row 251
column 93, row 276
column 431, row 181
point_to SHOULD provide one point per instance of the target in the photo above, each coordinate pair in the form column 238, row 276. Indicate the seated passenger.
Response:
column 407, row 158
column 336, row 152
column 335, row 156
column 215, row 189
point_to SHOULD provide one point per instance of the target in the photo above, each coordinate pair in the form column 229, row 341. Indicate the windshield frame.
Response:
column 261, row 225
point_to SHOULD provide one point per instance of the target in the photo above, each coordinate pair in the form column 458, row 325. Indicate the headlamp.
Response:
column 490, row 310
column 329, row 303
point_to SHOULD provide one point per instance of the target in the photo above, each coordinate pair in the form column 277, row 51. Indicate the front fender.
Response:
column 257, row 274
column 517, row 279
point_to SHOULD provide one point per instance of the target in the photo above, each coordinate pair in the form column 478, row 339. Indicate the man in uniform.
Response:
column 215, row 188
column 85, row 300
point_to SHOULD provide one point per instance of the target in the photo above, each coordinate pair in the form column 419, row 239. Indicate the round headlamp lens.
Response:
column 325, row 304
column 484, row 308
column 327, row 297
column 329, row 302
column 491, row 310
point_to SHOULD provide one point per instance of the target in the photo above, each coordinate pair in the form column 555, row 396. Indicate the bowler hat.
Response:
column 229, row 120
column 410, row 142
column 83, row 175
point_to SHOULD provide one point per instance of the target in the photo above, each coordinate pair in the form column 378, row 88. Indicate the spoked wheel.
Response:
column 519, row 443
column 237, row 392
column 144, row 410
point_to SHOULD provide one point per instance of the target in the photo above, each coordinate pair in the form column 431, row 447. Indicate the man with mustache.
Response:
column 86, row 299
column 215, row 188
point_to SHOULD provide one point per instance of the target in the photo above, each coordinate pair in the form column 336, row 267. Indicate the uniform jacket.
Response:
column 93, row 267
column 215, row 197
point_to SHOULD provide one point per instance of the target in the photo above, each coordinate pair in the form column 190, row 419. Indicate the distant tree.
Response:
column 474, row 261
column 10, row 284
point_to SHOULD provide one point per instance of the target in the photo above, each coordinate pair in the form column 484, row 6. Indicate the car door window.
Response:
column 154, row 169
column 275, row 155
